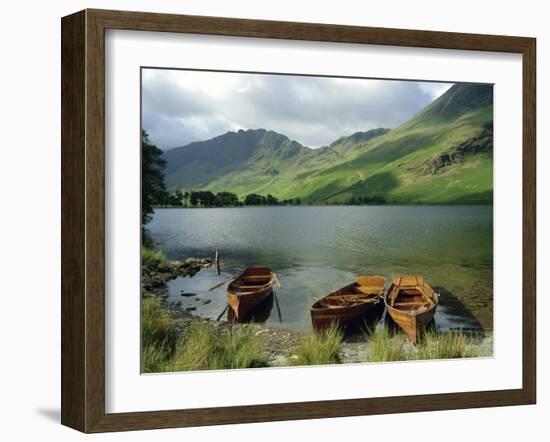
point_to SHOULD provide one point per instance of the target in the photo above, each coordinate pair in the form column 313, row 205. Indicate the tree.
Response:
column 186, row 196
column 226, row 199
column 271, row 200
column 175, row 199
column 254, row 199
column 202, row 198
column 153, row 189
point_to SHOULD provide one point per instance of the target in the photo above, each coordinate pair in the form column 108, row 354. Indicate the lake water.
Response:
column 314, row 250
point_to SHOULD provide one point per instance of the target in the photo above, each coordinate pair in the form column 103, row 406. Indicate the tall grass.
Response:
column 158, row 335
column 201, row 347
column 155, row 357
column 205, row 348
column 383, row 347
column 449, row 345
column 149, row 255
column 321, row 348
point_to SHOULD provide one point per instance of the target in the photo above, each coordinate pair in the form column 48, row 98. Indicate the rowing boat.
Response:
column 350, row 304
column 248, row 290
column 411, row 303
column 259, row 314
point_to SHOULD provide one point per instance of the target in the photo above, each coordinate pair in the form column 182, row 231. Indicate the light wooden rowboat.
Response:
column 411, row 304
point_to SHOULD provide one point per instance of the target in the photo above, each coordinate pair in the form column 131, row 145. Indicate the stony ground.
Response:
column 156, row 274
column 281, row 344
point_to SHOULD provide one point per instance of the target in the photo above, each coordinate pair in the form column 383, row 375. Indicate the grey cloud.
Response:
column 312, row 110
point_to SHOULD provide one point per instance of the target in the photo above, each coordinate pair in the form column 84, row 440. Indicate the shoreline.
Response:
column 155, row 274
column 280, row 344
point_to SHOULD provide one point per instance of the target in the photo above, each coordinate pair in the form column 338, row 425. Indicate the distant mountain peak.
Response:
column 457, row 100
column 198, row 163
column 358, row 137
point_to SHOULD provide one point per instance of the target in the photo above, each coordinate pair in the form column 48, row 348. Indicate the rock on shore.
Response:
column 156, row 274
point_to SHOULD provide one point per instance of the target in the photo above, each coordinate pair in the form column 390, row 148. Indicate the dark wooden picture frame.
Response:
column 83, row 220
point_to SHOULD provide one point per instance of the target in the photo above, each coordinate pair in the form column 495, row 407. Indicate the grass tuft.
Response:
column 158, row 335
column 448, row 345
column 321, row 348
column 432, row 345
column 384, row 347
column 149, row 255
column 154, row 358
column 204, row 348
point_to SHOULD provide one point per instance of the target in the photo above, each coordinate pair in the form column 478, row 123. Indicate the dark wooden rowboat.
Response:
column 350, row 304
column 411, row 303
column 248, row 290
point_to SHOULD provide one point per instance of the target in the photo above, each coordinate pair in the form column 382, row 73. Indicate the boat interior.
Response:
column 351, row 295
column 412, row 298
column 251, row 282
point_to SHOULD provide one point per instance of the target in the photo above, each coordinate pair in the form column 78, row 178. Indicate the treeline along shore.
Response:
column 206, row 198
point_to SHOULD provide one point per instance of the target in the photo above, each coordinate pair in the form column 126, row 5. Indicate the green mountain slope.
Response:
column 442, row 155
column 199, row 163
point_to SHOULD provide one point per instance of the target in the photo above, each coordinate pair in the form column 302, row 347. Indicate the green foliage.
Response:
column 225, row 199
column 202, row 346
column 158, row 335
column 154, row 357
column 150, row 255
column 153, row 189
column 321, row 348
column 448, row 345
column 255, row 200
column 260, row 200
column 383, row 347
column 271, row 200
column 205, row 348
column 202, row 199
column 375, row 167
column 175, row 199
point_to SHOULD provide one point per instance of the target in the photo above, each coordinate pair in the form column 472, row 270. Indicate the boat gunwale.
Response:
column 413, row 312
column 257, row 289
column 318, row 309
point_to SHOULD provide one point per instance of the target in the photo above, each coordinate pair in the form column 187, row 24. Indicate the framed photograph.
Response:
column 270, row 220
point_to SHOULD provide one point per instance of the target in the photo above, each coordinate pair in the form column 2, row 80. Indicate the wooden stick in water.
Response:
column 277, row 283
column 278, row 308
column 218, row 285
column 223, row 311
column 218, row 261
column 223, row 282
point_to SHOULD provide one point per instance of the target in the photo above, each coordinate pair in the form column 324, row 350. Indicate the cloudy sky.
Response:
column 184, row 106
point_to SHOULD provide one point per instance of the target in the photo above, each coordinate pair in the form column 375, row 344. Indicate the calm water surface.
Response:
column 315, row 250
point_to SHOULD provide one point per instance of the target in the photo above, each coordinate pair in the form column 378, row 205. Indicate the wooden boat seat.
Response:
column 410, row 304
column 370, row 289
column 346, row 300
column 251, row 286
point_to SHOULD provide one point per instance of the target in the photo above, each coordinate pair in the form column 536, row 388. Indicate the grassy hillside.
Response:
column 442, row 155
